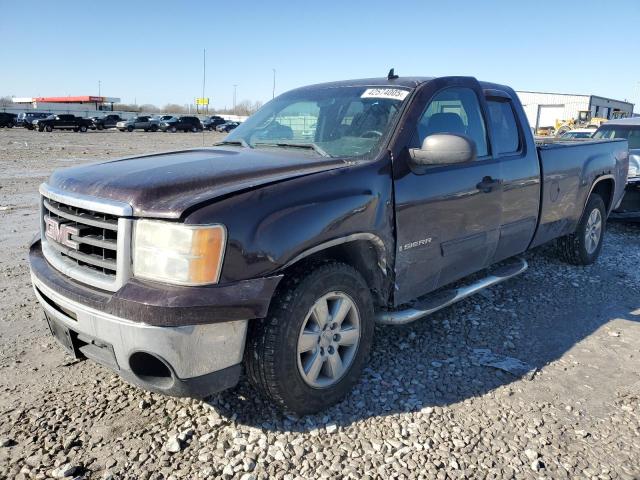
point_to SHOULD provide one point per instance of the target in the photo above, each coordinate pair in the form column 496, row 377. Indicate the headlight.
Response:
column 178, row 253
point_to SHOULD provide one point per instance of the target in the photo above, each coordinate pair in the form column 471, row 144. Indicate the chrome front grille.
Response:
column 86, row 240
column 89, row 238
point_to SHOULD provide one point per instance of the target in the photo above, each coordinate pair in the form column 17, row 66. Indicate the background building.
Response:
column 68, row 104
column 544, row 109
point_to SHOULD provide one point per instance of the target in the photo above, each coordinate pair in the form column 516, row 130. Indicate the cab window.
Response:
column 504, row 127
column 454, row 110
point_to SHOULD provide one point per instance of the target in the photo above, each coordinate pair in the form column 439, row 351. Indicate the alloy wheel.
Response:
column 328, row 340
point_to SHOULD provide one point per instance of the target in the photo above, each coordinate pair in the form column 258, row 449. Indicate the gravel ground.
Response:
column 426, row 407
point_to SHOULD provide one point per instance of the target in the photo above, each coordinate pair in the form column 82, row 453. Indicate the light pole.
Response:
column 99, row 88
column 273, row 93
column 204, row 73
column 235, row 86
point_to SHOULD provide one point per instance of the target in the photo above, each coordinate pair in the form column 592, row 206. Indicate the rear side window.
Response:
column 455, row 110
column 503, row 124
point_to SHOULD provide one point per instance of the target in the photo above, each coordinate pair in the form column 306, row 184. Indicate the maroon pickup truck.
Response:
column 333, row 207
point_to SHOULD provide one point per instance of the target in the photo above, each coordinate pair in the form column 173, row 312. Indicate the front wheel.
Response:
column 99, row 127
column 49, row 128
column 154, row 128
column 311, row 349
column 83, row 128
column 584, row 245
column 129, row 129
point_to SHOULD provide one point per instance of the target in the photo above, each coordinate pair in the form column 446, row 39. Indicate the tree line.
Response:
column 245, row 107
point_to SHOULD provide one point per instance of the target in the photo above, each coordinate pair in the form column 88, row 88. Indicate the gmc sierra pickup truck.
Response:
column 333, row 207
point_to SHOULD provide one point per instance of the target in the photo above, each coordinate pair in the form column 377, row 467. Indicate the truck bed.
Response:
column 569, row 169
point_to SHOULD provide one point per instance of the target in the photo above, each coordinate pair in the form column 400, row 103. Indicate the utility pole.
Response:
column 204, row 72
column 273, row 93
column 99, row 88
column 235, row 86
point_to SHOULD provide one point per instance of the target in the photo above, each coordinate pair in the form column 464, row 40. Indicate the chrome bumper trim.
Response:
column 192, row 350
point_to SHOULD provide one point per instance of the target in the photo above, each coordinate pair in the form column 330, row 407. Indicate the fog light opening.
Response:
column 151, row 369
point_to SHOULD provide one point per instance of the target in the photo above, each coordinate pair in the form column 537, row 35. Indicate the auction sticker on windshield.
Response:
column 391, row 93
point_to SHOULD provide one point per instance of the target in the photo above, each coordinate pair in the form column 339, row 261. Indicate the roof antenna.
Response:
column 392, row 75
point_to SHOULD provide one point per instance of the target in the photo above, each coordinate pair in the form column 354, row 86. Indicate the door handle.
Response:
column 488, row 184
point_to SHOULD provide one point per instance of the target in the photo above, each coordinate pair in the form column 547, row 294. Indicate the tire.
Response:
column 10, row 126
column 584, row 245
column 154, row 128
column 273, row 359
column 173, row 129
column 49, row 128
column 121, row 129
column 129, row 129
column 99, row 127
column 194, row 129
column 83, row 128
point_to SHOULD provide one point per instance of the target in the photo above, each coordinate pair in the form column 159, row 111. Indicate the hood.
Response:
column 165, row 185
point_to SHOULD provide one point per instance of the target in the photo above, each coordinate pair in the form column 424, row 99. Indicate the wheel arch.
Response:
column 363, row 251
column 605, row 186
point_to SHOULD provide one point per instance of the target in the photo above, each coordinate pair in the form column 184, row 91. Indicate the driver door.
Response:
column 447, row 216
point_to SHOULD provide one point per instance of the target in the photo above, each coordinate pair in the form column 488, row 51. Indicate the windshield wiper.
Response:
column 237, row 143
column 307, row 146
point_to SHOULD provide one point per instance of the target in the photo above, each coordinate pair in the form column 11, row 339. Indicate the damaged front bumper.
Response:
column 180, row 345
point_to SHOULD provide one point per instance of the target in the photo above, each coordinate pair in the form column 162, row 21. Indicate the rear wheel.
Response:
column 129, row 129
column 83, row 128
column 584, row 245
column 311, row 349
column 154, row 128
column 194, row 129
column 99, row 127
column 173, row 130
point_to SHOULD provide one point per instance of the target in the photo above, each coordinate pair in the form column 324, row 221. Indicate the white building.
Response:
column 544, row 109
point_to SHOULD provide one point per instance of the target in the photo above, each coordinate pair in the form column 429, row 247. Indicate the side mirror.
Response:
column 444, row 149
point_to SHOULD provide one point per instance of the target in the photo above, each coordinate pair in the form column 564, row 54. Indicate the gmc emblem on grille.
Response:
column 60, row 232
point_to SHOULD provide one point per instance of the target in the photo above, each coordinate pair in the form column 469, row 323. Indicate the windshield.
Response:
column 630, row 132
column 334, row 121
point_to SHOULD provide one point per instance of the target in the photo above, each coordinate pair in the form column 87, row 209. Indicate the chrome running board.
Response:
column 431, row 304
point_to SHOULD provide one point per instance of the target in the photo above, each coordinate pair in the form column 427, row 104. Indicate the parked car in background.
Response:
column 62, row 122
column 210, row 123
column 25, row 119
column 7, row 119
column 144, row 122
column 629, row 129
column 227, row 126
column 577, row 134
column 184, row 124
column 280, row 252
column 108, row 121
